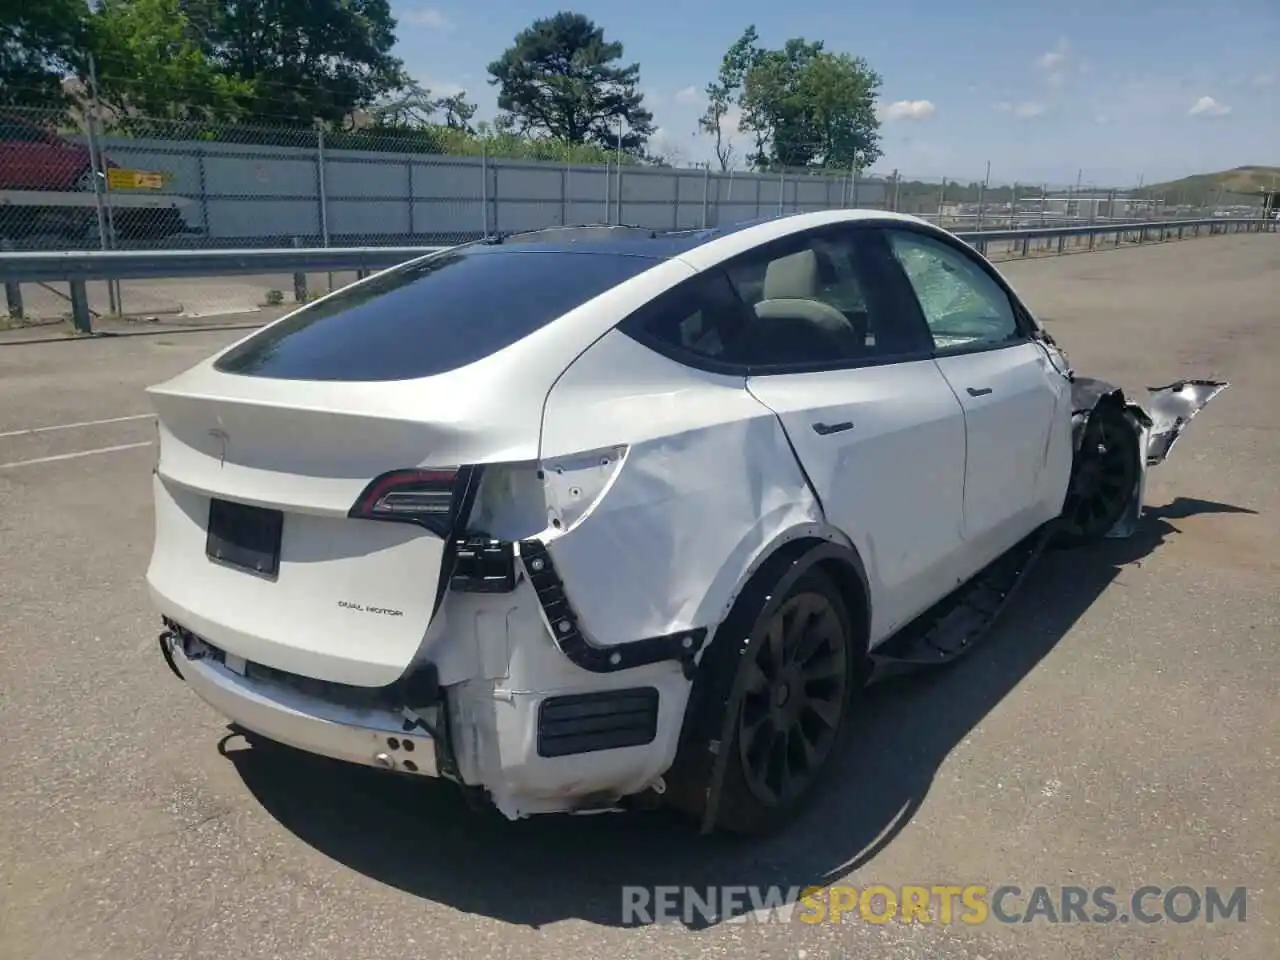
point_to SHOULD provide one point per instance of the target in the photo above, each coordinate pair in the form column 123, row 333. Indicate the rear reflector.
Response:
column 430, row 498
column 587, row 722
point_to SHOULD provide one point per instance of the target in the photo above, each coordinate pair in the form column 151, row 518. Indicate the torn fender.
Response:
column 1166, row 415
column 1158, row 425
column 1171, row 409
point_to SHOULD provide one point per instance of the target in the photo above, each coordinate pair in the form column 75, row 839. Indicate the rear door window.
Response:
column 821, row 301
column 430, row 316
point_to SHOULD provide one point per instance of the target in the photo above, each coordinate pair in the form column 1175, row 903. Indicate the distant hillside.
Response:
column 1222, row 187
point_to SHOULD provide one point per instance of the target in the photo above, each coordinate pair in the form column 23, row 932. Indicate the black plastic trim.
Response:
column 469, row 484
column 484, row 565
column 603, row 720
column 568, row 636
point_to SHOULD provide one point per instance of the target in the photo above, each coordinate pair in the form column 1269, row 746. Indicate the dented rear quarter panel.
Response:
column 707, row 488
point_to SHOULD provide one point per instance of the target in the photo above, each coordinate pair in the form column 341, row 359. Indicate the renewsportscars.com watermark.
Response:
column 970, row 904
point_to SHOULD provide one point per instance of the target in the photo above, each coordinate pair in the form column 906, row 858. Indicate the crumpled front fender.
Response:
column 1159, row 425
column 1171, row 409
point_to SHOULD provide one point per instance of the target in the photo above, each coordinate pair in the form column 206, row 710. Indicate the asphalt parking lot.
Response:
column 1121, row 727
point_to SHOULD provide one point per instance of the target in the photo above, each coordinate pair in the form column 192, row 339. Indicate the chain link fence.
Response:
column 94, row 180
column 131, row 183
column 979, row 203
column 90, row 179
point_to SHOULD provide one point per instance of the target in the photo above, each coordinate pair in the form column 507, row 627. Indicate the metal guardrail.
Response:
column 76, row 268
column 1142, row 231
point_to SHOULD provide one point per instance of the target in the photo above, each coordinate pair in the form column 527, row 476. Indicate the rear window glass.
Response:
column 430, row 317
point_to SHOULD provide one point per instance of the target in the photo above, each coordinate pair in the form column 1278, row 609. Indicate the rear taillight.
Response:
column 431, row 498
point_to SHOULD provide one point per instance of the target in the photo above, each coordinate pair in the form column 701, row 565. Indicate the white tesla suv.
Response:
column 584, row 517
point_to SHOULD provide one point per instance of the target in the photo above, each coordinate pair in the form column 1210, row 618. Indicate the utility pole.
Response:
column 98, row 167
column 982, row 195
column 618, row 154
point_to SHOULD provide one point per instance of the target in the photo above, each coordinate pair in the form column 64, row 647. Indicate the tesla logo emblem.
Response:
column 222, row 438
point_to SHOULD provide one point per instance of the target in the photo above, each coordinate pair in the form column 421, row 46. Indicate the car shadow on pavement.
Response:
column 422, row 837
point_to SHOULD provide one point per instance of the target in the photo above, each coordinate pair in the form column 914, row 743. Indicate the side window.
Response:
column 698, row 319
column 963, row 306
column 821, row 302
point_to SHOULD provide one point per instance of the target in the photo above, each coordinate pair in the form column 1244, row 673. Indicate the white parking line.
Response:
column 73, row 456
column 32, row 431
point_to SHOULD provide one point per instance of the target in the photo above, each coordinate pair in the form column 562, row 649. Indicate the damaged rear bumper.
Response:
column 373, row 735
column 543, row 722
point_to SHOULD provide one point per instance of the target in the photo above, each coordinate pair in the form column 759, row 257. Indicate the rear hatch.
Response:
column 309, row 478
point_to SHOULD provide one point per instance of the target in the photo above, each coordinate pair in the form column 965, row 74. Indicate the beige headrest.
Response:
column 793, row 277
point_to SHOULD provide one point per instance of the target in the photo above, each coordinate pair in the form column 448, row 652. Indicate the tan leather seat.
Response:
column 790, row 293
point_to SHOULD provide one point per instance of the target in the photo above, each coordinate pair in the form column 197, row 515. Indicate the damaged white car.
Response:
column 594, row 517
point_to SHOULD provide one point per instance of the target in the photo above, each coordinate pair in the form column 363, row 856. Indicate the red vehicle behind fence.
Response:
column 32, row 158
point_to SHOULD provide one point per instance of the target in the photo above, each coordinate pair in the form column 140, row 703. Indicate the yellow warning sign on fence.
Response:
column 118, row 179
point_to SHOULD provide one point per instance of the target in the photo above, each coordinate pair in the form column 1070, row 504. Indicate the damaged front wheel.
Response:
column 1104, row 477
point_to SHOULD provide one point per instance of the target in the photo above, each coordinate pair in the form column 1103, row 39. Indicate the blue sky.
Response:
column 1119, row 89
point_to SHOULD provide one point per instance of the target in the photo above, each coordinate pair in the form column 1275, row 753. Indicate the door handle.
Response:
column 976, row 392
column 825, row 429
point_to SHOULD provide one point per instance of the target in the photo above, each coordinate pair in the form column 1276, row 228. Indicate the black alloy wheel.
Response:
column 796, row 686
column 798, row 674
column 1104, row 477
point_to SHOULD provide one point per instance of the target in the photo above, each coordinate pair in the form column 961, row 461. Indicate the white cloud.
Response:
column 702, row 144
column 428, row 17
column 688, row 95
column 1056, row 64
column 674, row 150
column 1264, row 79
column 731, row 122
column 443, row 88
column 1023, row 111
column 908, row 110
column 1208, row 107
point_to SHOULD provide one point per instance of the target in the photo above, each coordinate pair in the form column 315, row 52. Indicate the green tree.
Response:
column 458, row 111
column 156, row 60
column 559, row 79
column 838, row 118
column 274, row 62
column 417, row 111
column 39, row 40
column 307, row 60
column 806, row 106
column 723, row 93
column 411, row 108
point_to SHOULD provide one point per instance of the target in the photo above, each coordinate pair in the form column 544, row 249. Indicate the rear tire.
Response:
column 800, row 671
